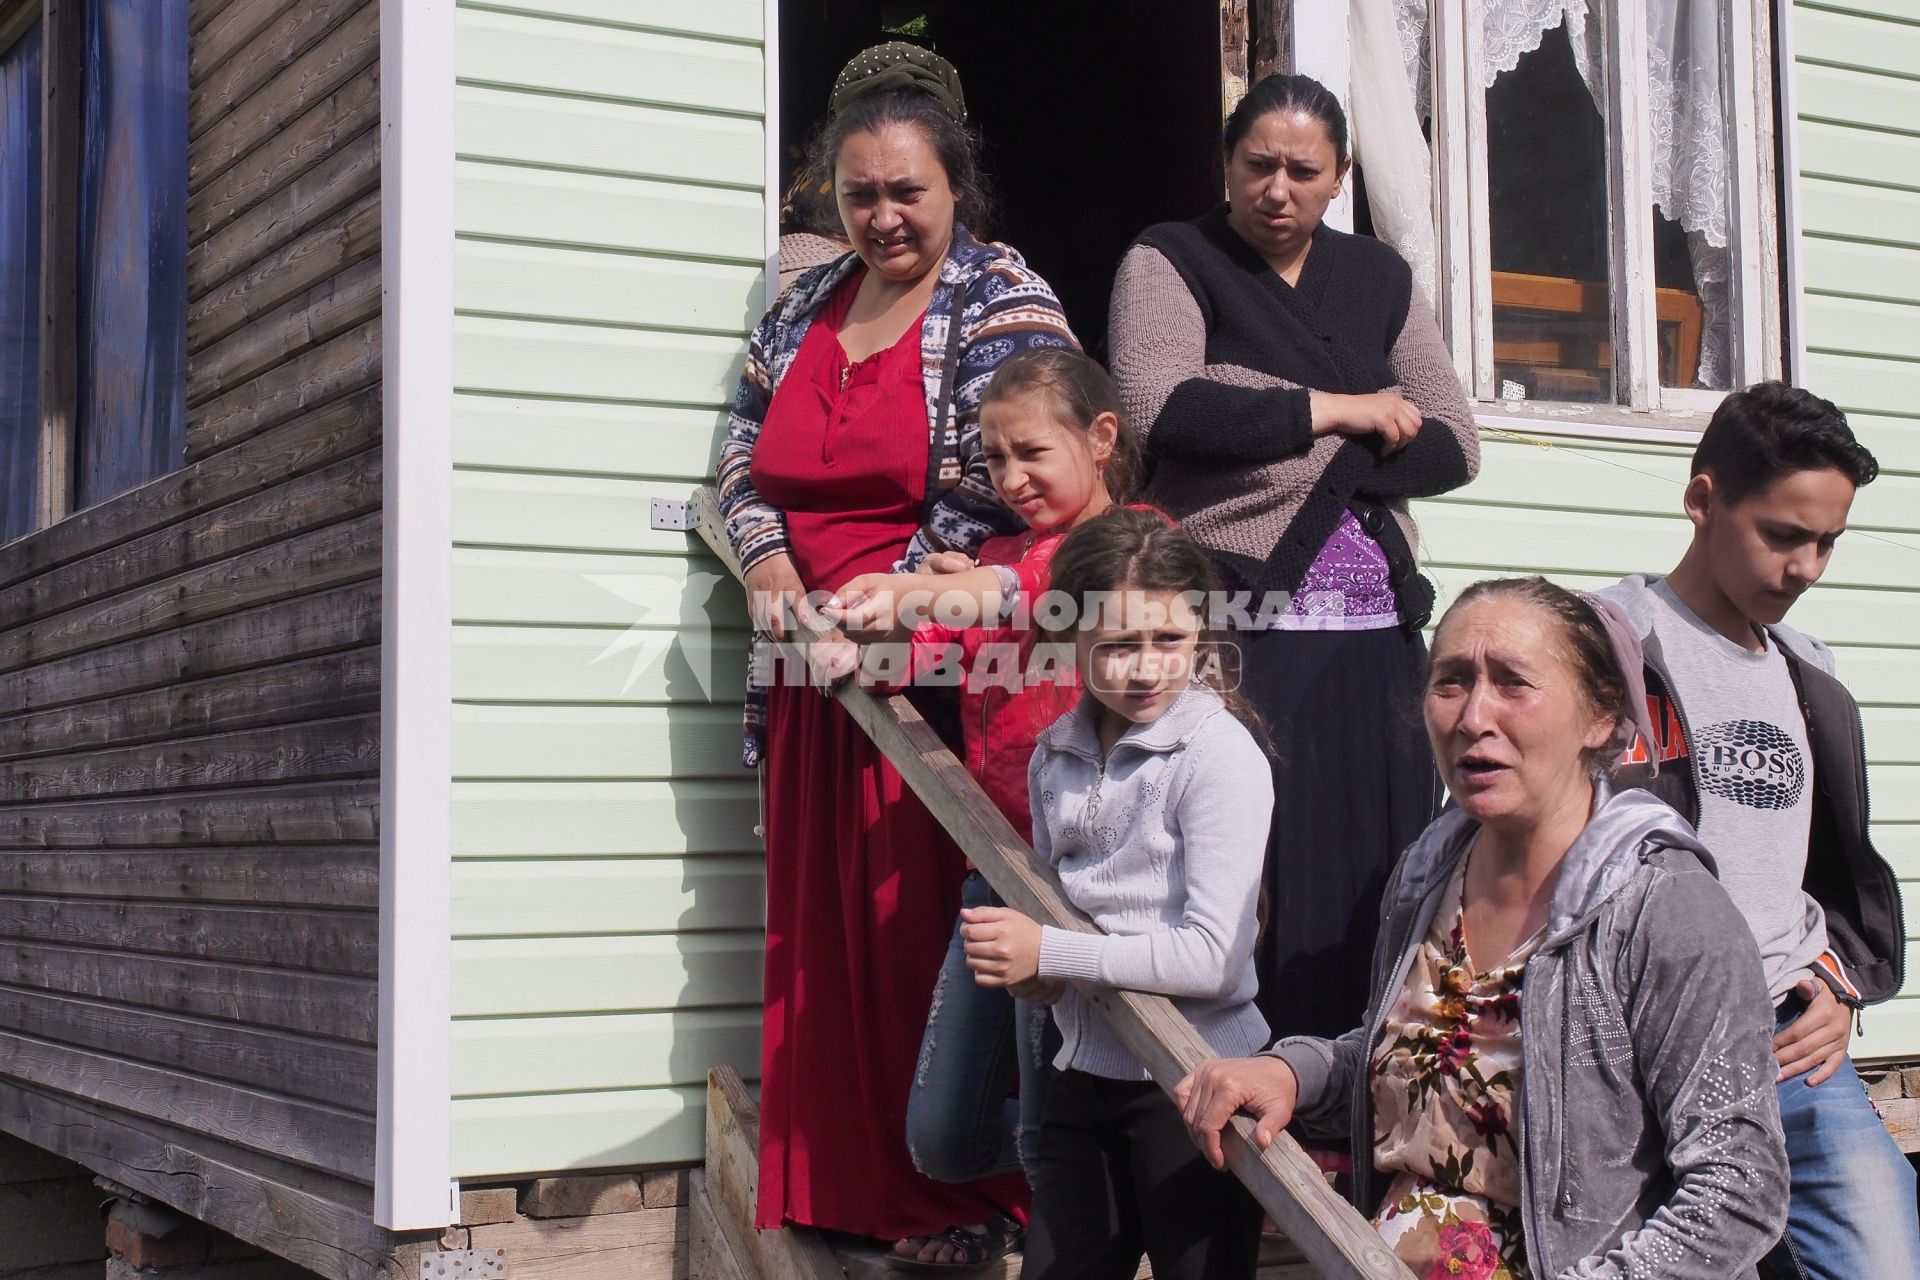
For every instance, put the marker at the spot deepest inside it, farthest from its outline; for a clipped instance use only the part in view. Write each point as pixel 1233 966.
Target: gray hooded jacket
pixel 1650 1128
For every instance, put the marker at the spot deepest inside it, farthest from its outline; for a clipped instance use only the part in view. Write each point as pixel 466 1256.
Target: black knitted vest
pixel 1330 332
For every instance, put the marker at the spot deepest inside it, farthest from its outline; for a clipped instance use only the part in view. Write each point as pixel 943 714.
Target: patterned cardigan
pixel 1002 307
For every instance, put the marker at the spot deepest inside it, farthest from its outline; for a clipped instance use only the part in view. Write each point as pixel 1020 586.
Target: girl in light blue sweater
pixel 1151 799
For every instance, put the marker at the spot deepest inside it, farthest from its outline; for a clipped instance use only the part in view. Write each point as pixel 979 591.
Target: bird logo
pixel 674 617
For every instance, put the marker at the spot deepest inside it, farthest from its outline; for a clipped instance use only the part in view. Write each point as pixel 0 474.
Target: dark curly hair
pixel 957 146
pixel 1772 430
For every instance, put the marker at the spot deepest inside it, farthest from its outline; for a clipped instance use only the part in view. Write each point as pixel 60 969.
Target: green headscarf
pixel 899 65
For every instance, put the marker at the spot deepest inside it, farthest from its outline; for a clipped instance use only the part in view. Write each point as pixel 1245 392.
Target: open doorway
pixel 1101 117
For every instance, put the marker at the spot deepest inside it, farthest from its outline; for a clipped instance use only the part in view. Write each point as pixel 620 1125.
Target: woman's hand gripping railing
pixel 1337 1240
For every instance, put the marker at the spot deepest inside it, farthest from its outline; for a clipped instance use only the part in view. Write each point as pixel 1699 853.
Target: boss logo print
pixel 1752 763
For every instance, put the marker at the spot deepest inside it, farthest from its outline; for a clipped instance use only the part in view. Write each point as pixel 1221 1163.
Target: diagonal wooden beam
pixel 1288 1185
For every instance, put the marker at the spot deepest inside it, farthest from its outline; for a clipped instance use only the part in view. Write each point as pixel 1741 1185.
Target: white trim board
pixel 1612 424
pixel 413 1152
pixel 1786 89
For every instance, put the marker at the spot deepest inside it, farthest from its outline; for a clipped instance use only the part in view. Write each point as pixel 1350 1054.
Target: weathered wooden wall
pixel 189 694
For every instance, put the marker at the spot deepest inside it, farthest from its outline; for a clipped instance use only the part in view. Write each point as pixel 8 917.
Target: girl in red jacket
pixel 1059 455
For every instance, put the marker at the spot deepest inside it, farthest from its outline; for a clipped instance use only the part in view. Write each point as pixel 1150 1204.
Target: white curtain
pixel 1387 140
pixel 1687 45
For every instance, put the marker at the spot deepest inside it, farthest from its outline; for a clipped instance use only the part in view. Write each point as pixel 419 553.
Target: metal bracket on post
pixel 671 515
pixel 464 1264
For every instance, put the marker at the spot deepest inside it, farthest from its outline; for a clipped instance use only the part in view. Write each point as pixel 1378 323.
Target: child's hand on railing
pixel 871 605
pixel 947 562
pixel 1003 946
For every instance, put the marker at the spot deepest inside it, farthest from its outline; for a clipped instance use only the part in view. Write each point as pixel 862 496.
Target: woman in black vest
pixel 1292 392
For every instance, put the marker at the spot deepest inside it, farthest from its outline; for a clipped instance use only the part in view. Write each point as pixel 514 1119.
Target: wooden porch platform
pixel 723 1244
pixel 1895 1091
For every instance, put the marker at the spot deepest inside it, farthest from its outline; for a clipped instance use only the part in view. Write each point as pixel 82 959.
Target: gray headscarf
pixel 1624 640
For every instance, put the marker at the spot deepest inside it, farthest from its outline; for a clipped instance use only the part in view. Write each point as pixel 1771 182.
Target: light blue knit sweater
pixel 1162 843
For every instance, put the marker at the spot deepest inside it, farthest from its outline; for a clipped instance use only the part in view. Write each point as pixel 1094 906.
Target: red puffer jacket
pixel 1001 711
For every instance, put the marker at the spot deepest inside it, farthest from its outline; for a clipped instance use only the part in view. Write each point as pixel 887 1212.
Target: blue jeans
pixel 1852 1214
pixel 961 1122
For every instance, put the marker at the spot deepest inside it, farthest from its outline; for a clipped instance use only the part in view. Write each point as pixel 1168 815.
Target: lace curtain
pixel 1687 43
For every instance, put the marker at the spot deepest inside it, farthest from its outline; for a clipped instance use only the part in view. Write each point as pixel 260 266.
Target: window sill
pixel 1592 421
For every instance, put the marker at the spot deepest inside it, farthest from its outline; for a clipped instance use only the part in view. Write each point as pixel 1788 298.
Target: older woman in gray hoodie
pixel 1566 1067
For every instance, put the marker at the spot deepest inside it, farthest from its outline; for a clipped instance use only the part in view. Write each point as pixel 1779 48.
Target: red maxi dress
pixel 862 883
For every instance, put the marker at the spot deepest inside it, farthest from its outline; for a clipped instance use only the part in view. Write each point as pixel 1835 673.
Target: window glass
pixel 20 99
pixel 1547 185
pixel 133 247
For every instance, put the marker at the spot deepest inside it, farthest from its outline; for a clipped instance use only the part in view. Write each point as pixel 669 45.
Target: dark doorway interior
pixel 1101 117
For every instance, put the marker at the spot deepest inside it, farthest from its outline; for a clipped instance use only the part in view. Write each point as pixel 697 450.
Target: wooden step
pixel 710 1255
pixel 732 1186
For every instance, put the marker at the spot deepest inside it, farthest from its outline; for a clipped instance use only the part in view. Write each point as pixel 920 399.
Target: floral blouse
pixel 1446 1083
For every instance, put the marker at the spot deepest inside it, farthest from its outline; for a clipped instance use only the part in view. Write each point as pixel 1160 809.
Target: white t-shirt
pixel 1753 771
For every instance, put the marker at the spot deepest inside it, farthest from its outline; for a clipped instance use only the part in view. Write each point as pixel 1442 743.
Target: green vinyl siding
pixel 1857 88
pixel 608 887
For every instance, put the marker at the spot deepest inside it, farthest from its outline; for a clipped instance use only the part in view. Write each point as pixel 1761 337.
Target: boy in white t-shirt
pixel 1761 748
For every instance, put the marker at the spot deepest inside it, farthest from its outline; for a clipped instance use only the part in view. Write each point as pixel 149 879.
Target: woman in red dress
pixel 854 447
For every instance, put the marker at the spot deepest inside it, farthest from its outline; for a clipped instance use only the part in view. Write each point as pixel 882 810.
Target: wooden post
pixel 1235 37
pixel 1288 1186
pixel 1272 37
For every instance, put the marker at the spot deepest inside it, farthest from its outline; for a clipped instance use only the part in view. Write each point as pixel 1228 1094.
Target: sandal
pixel 976 1248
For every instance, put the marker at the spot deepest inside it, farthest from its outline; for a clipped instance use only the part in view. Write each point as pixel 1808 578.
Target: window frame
pixel 1641 408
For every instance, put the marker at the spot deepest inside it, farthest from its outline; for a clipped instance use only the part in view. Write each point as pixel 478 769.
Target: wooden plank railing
pixel 1337 1240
